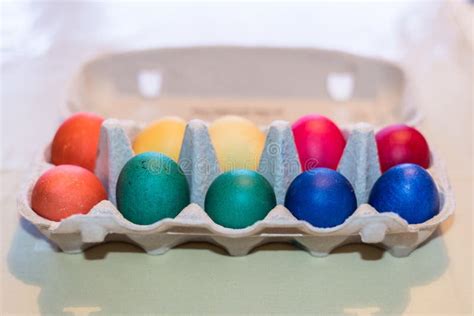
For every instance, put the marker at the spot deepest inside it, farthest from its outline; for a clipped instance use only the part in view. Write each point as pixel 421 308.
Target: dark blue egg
pixel 322 197
pixel 407 190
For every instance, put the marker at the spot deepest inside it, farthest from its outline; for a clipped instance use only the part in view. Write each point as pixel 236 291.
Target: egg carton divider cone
pixel 279 164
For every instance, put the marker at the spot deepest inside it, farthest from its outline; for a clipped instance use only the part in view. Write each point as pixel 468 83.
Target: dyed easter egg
pixel 150 187
pixel 397 144
pixel 319 142
pixel 164 136
pixel 66 190
pixel 322 197
pixel 238 143
pixel 239 198
pixel 76 141
pixel 407 190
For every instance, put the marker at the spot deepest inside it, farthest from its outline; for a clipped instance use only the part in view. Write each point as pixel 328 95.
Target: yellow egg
pixel 238 142
pixel 164 136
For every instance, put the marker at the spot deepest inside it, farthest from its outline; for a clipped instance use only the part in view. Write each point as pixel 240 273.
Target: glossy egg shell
pixel 320 143
pixel 164 136
pixel 397 144
pixel 322 197
pixel 408 190
pixel 66 190
pixel 76 141
pixel 239 198
pixel 151 187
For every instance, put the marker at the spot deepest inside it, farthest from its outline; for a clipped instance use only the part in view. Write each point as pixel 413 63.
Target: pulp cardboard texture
pixel 279 164
pixel 262 84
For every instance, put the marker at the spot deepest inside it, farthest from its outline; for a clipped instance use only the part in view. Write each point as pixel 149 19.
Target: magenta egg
pixel 319 142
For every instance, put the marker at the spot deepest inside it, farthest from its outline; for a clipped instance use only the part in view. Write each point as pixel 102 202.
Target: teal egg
pixel 150 187
pixel 239 198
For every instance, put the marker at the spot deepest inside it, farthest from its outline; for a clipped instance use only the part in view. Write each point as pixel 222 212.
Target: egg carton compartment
pixel 260 83
pixel 279 164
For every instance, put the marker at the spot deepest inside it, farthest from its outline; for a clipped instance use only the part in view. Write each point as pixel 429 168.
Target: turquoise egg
pixel 150 187
pixel 239 198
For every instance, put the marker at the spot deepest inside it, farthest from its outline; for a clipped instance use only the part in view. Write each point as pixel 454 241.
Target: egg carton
pixel 279 164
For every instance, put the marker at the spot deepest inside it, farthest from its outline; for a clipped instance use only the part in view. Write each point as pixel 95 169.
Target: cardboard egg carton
pixel 279 164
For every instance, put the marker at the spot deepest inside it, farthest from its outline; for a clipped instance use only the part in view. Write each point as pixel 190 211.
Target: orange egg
pixel 76 141
pixel 66 190
pixel 163 136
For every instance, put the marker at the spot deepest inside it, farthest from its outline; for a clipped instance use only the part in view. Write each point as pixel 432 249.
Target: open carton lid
pixel 262 84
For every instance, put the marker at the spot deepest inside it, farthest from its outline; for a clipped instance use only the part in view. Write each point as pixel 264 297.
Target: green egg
pixel 239 198
pixel 150 187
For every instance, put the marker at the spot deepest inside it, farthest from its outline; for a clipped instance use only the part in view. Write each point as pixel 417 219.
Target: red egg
pixel 319 142
pixel 397 144
pixel 66 190
pixel 76 141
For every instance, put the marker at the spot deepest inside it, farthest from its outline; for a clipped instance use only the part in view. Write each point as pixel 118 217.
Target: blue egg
pixel 407 190
pixel 322 197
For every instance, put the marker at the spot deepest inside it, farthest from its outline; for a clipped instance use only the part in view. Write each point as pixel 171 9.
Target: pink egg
pixel 319 142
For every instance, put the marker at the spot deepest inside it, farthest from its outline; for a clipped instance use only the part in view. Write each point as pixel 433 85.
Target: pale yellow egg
pixel 164 136
pixel 238 143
